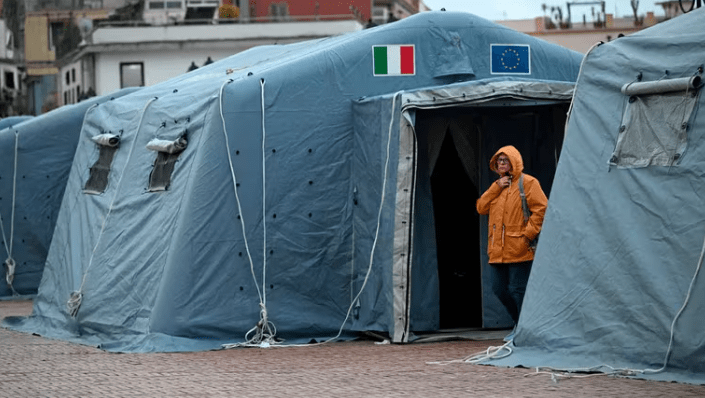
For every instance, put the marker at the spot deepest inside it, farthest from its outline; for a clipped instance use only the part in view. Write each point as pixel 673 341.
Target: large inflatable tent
pixel 36 154
pixel 617 284
pixel 323 188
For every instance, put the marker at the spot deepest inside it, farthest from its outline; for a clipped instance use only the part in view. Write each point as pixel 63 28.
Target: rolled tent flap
pixel 167 146
pixel 662 86
pixel 106 139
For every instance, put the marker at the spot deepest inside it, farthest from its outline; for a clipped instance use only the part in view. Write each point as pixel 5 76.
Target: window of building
pixel 73 75
pixel 131 74
pixel 98 180
pixel 165 5
pixel 279 11
pixel 655 122
pixel 9 79
pixel 167 154
pixel 68 78
pixel 56 31
pixel 201 9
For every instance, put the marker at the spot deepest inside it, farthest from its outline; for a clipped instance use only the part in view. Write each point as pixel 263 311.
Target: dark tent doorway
pixel 460 141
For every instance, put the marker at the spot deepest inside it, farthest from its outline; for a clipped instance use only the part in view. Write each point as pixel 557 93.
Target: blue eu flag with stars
pixel 510 58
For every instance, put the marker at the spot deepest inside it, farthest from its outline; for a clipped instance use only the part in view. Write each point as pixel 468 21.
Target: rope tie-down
pixel 262 335
pixel 264 332
pixel 10 273
pixel 10 264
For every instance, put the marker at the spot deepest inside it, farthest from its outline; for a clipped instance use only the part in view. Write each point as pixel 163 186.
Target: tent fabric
pixel 275 210
pixel 13 120
pixel 617 281
pixel 45 149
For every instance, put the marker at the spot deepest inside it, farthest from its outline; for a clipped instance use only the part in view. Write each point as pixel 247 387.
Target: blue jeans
pixel 509 285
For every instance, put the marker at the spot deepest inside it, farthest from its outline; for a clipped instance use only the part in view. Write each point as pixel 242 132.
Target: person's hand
pixel 504 181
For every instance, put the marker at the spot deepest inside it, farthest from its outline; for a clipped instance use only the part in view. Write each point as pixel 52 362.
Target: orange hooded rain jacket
pixel 509 236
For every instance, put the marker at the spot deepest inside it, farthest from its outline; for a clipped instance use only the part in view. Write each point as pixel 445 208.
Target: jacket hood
pixel 514 158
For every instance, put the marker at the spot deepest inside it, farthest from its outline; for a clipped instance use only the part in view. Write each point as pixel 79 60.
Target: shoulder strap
pixel 524 205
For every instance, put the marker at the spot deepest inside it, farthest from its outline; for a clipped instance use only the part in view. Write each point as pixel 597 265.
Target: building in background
pixel 117 56
pixel 581 24
pixel 581 36
pixel 12 91
pixel 50 35
pixel 385 11
pixel 68 50
pixel 674 8
pixel 81 48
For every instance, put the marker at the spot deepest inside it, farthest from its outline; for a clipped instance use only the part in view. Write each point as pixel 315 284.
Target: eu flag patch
pixel 510 58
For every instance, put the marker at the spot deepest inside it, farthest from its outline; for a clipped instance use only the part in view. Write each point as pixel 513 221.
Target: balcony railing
pixel 217 21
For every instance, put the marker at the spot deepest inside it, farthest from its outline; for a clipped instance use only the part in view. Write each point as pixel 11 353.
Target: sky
pixel 527 9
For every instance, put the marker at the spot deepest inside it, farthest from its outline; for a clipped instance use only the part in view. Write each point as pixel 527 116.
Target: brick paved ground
pixel 32 366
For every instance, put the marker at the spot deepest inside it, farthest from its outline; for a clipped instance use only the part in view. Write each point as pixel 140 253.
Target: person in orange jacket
pixel 510 234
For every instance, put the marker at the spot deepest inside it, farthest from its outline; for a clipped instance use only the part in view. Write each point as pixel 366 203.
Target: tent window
pixel 98 179
pixel 654 128
pixel 167 154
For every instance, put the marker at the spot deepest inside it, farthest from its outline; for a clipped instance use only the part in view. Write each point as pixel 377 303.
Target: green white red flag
pixel 394 60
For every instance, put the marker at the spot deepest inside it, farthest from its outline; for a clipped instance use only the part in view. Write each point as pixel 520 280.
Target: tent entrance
pixel 458 142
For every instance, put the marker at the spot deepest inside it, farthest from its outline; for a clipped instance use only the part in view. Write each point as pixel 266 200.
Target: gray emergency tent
pixel 36 154
pixel 292 184
pixel 617 280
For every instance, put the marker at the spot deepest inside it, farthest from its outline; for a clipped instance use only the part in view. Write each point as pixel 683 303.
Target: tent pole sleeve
pixel 661 86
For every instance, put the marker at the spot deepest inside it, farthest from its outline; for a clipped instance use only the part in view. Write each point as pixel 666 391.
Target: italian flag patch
pixel 394 60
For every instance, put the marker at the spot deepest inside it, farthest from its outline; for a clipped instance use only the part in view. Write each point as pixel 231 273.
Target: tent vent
pixel 98 180
pixel 167 154
pixel 654 127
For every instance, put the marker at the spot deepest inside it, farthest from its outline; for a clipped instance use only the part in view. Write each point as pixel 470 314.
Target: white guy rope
pixel 492 352
pixel 680 311
pixel 10 262
pixel 264 331
pixel 634 372
pixel 237 197
pixel 372 251
pixel 76 297
pixel 264 205
pixel 379 221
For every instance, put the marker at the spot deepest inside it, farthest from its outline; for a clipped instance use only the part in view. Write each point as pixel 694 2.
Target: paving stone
pixel 32 366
